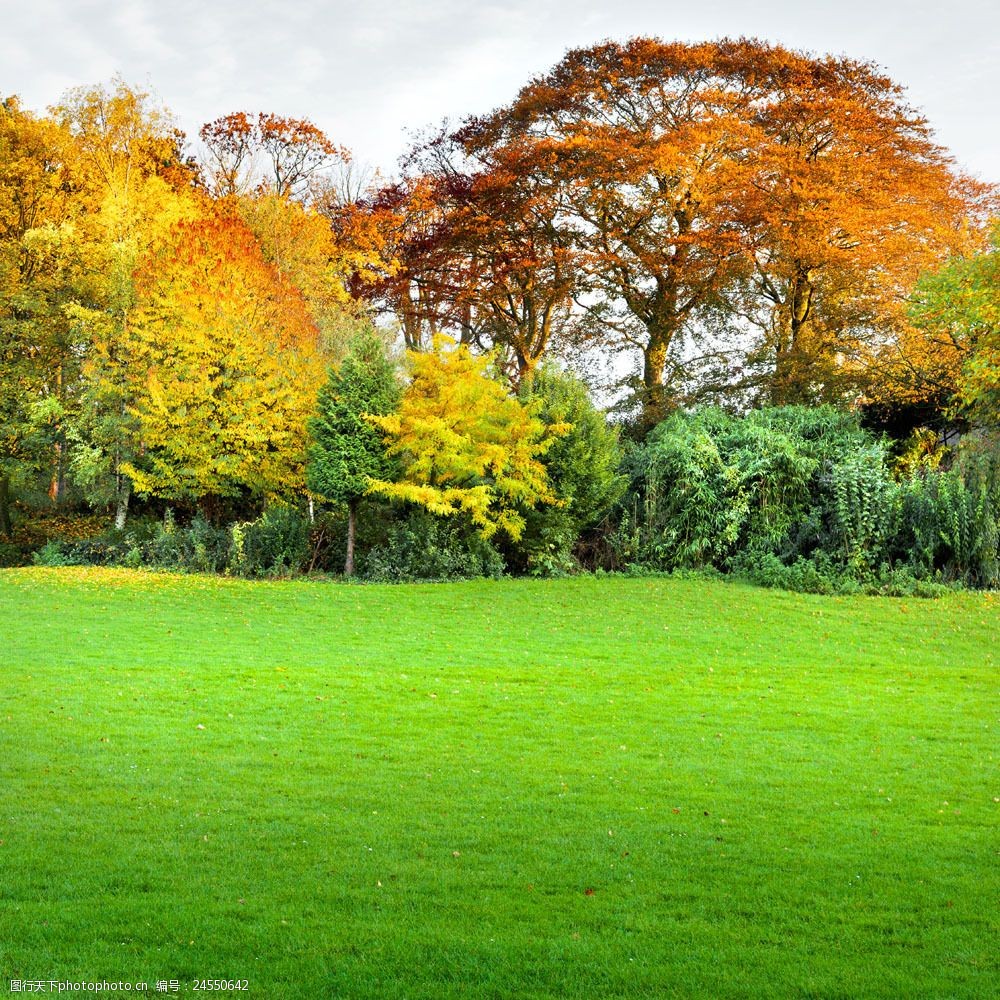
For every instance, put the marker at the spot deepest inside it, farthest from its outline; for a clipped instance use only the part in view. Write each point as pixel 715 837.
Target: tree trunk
pixel 352 521
pixel 121 508
pixel 655 403
pixel 6 528
pixel 792 359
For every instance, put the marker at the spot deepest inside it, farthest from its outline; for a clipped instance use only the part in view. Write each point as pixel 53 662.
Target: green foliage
pixel 687 504
pixel 960 305
pixel 804 498
pixel 949 523
pixel 347 452
pixel 199 548
pixel 583 470
pixel 55 553
pixel 425 546
pixel 821 574
pixel 860 499
pixel 276 544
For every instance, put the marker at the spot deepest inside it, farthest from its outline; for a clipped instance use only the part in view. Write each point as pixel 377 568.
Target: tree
pixel 306 250
pixel 582 466
pixel 131 186
pixel 42 268
pixel 798 193
pixel 266 152
pixel 493 268
pixel 222 367
pixel 957 308
pixel 647 143
pixel 467 446
pixel 348 454
pixel 849 200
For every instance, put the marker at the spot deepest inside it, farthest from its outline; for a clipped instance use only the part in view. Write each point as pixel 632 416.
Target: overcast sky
pixel 366 73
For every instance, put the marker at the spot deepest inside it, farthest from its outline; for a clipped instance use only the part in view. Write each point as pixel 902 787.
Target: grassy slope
pixel 581 788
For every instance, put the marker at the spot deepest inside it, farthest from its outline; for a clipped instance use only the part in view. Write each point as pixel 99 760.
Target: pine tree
pixel 348 453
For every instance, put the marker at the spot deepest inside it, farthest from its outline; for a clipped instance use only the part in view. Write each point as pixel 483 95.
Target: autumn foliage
pixel 731 222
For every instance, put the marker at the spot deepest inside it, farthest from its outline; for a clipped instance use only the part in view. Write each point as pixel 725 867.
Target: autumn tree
pixel 319 258
pixel 958 308
pixel 504 272
pixel 223 368
pixel 647 142
pixel 267 153
pixel 848 201
pixel 467 446
pixel 347 453
pixel 132 185
pixel 735 177
pixel 415 285
pixel 42 268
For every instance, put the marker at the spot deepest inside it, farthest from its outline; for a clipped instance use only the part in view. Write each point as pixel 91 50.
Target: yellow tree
pixel 38 268
pixel 467 446
pixel 224 368
pixel 131 186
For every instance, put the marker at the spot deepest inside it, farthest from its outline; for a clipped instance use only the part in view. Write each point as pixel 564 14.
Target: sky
pixel 372 74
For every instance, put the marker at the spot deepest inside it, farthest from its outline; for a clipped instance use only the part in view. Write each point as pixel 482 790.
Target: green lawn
pixel 584 788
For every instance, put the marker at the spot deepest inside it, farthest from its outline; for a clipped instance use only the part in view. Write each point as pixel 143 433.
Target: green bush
pixel 13 555
pixel 199 548
pixel 805 499
pixel 686 505
pixel 54 553
pixel 276 544
pixel 949 524
pixel 583 470
pixel 423 546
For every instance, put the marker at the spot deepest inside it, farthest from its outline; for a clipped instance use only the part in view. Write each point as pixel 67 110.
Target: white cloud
pixel 368 72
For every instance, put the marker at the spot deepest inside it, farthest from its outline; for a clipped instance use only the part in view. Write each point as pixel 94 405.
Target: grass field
pixel 584 788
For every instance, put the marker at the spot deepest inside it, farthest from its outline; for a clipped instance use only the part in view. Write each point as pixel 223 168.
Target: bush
pixel 805 499
pixel 948 524
pixel 820 574
pixel 427 547
pixel 686 506
pixel 13 555
pixel 54 553
pixel 199 548
pixel 583 471
pixel 276 544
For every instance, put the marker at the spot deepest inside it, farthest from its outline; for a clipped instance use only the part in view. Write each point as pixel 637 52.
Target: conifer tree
pixel 348 453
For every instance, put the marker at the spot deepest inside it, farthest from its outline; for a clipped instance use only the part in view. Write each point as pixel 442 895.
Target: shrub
pixel 583 471
pixel 686 506
pixel 424 546
pixel 199 548
pixel 54 553
pixel 276 544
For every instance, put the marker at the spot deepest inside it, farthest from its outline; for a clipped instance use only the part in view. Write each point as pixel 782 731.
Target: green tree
pixel 959 307
pixel 348 453
pixel 582 466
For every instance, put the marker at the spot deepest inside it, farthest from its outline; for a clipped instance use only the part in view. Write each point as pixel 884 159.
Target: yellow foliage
pixel 467 445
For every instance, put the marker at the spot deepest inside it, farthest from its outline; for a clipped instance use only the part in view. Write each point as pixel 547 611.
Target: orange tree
pixel 223 368
pixel 798 193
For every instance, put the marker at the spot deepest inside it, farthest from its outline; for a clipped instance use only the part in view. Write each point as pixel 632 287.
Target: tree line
pixel 727 224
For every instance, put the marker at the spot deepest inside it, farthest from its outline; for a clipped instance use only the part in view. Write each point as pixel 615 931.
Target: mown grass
pixel 591 787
